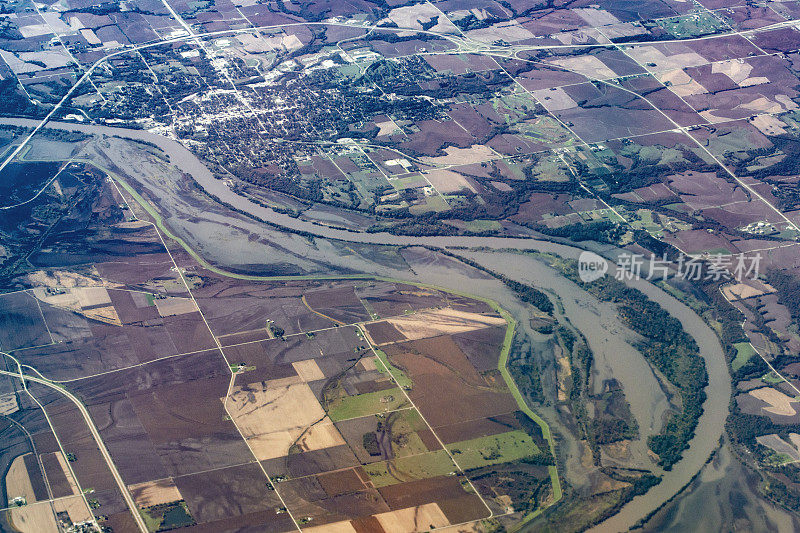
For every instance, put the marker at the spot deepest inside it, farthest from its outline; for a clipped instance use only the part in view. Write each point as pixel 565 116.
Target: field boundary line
pixel 502 361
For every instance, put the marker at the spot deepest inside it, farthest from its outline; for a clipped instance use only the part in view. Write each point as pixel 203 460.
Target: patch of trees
pixel 530 295
pixel 608 430
pixel 476 84
pixel 532 429
pixel 471 22
pixel 744 428
pixel 602 231
pixel 526 293
pixel 788 166
pixel 64 135
pixel 779 492
pixel 9 30
pixel 527 377
pixel 279 181
pixel 788 287
pixel 788 196
pixel 395 37
pixel 639 485
pixel 15 102
pixel 643 174
pixel 370 442
pixel 613 420
pixel 417 227
pixel 431 23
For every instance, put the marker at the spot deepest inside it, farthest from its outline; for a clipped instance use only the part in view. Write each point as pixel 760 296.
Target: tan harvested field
pixel 63 278
pixel 769 125
pixel 336 527
pixel 308 370
pixel 18 483
pixel 368 364
pixel 386 128
pixel 8 403
pixel 447 181
pixel 446 321
pixel 76 298
pixel 765 105
pixel 795 438
pixel 66 299
pixel 272 417
pixel 79 299
pixel 509 31
pixel 651 54
pixel 257 408
pixel 589 66
pixel 75 507
pixel 681 83
pixel 780 404
pixel 175 306
pixel 91 296
pixel 477 153
pixel 740 291
pixel 154 492
pixel 738 71
pixel 271 445
pixel 321 435
pixel 107 314
pixel 420 518
pixel 414 15
pixel 555 99
pixel 36 518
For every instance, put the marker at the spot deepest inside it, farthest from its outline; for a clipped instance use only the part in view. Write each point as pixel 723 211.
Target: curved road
pixel 97 438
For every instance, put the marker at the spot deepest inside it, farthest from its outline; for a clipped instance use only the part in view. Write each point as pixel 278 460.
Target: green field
pixel 430 203
pixel 409 182
pixel 402 379
pixel 744 351
pixel 478 226
pixel 370 403
pixel 167 516
pixel 692 25
pixel 401 469
pixel 492 450
pixel 778 459
pixel 404 426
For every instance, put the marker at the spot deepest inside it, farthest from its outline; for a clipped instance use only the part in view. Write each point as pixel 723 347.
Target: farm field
pixel 224 401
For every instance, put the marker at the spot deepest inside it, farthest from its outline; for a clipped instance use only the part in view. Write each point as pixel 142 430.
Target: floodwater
pixel 609 340
pixel 615 356
pixel 725 492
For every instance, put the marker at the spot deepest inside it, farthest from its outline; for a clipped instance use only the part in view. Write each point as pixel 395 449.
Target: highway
pixel 95 435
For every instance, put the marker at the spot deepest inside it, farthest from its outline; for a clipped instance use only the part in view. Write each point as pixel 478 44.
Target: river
pixel 525 269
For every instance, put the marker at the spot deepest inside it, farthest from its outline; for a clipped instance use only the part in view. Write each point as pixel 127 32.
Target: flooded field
pixel 725 492
pixel 235 242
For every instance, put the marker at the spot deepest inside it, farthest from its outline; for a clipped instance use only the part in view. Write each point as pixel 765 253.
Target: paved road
pixel 98 440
